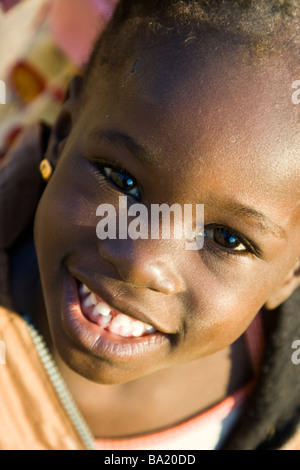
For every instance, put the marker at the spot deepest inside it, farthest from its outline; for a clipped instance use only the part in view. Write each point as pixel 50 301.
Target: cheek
pixel 224 301
pixel 220 325
pixel 66 216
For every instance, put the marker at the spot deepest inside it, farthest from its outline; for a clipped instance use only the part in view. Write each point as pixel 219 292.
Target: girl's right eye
pixel 226 239
pixel 123 181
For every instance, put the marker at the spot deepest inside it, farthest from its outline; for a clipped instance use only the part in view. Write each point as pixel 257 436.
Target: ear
pixel 285 289
pixel 64 121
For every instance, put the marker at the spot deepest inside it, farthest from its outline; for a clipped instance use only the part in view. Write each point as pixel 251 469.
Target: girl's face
pixel 192 127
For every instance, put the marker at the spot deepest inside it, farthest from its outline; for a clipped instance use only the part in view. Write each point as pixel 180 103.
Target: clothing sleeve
pixel 32 414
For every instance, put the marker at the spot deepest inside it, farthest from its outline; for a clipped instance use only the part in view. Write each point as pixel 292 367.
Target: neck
pixel 149 403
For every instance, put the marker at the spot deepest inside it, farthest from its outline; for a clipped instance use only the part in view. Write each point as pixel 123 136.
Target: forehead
pixel 207 103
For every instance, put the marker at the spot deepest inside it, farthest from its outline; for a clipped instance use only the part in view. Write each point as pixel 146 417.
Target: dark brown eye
pixel 225 238
pixel 123 181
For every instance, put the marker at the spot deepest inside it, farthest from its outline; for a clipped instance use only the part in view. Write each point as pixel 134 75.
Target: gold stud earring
pixel 46 169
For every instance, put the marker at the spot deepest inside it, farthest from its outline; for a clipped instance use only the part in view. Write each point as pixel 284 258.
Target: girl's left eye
pixel 123 181
pixel 225 238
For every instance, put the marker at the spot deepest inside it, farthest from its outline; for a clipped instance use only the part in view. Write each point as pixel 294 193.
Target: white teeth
pixel 121 320
pixel 105 320
pixel 84 289
pixel 120 324
pixel 90 301
pixel 102 309
pixel 149 327
pixel 126 326
pixel 138 328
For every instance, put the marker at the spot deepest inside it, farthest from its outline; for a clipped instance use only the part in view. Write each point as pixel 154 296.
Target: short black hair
pixel 266 26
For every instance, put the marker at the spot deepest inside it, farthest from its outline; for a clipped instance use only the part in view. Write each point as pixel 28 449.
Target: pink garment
pixel 75 24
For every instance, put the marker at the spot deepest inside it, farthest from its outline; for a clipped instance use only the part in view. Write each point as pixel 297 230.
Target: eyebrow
pixel 122 140
pixel 267 225
pixel 142 153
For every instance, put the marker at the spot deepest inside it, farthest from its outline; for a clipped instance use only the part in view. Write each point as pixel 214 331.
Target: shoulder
pixel 271 419
pixel 26 384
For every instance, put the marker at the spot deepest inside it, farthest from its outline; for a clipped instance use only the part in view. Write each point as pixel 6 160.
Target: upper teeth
pixel 90 300
pixel 84 289
pixel 102 309
pixel 120 324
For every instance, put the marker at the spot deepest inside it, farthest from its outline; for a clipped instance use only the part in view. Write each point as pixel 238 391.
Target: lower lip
pixel 101 343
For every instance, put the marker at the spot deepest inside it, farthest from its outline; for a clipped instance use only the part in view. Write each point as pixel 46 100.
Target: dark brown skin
pixel 223 132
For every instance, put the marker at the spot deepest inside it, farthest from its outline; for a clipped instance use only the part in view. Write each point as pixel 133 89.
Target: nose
pixel 143 263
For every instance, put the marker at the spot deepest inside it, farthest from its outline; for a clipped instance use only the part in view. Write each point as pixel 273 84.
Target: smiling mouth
pixel 99 312
pixel 106 333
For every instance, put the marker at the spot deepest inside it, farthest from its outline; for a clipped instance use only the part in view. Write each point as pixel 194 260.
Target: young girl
pixel 183 102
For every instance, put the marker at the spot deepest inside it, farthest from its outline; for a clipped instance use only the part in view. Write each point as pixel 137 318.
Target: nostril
pixel 165 290
pixel 142 268
pixel 165 286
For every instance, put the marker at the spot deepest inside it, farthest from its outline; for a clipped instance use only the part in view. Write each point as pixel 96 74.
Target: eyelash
pixel 102 169
pixel 211 245
pixel 215 248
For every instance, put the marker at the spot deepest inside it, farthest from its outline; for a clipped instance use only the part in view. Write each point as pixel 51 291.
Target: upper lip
pixel 109 297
